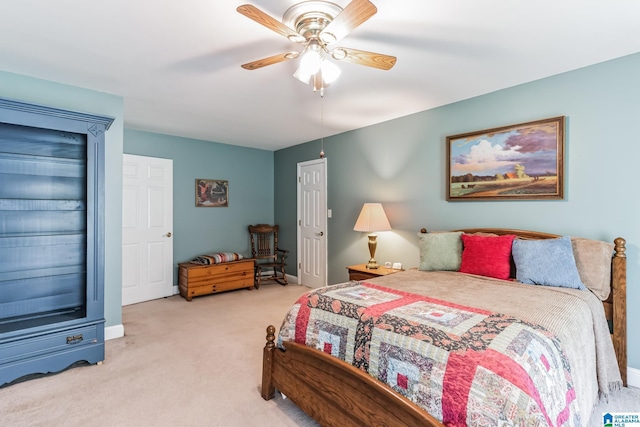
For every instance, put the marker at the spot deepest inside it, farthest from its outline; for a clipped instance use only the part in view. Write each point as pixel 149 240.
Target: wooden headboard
pixel 615 307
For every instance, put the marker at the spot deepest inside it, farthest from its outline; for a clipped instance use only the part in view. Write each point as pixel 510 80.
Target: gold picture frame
pixel 516 162
pixel 212 193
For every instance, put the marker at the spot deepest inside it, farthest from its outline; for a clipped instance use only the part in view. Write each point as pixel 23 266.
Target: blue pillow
pixel 548 262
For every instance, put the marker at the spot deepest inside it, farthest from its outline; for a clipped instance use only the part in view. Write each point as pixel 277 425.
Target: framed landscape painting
pixel 517 162
pixel 212 193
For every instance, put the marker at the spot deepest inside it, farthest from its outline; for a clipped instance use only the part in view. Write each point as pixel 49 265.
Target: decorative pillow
pixel 216 258
pixel 548 262
pixel 593 260
pixel 487 256
pixel 440 251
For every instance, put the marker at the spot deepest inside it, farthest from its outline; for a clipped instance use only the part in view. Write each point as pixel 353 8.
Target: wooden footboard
pixel 333 392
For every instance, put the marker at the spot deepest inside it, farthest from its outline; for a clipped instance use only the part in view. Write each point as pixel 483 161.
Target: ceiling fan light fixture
pixel 330 72
pixel 302 76
pixel 310 62
pixel 327 72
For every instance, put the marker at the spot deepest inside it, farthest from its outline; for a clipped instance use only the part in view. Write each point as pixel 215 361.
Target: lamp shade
pixel 372 218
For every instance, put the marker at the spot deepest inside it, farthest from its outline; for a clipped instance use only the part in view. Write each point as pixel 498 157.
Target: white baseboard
pixel 112 332
pixel 633 377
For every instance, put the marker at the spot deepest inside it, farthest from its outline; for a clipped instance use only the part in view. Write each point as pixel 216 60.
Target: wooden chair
pixel 264 249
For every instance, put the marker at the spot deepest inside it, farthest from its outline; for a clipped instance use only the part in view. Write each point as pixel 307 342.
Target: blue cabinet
pixel 51 239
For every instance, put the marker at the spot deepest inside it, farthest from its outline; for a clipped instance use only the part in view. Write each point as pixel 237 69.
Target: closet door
pixel 43 226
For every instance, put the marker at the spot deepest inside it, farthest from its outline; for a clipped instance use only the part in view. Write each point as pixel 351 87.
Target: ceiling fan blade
pixel 273 24
pixel 362 57
pixel 354 14
pixel 269 61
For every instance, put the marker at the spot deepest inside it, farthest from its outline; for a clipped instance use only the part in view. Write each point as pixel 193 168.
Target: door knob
pixel 168 234
pixel 320 234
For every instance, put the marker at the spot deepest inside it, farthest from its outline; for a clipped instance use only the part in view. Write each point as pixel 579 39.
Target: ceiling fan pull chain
pixel 322 123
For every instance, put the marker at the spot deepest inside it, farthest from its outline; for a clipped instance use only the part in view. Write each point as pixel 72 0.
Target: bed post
pixel 619 289
pixel 268 390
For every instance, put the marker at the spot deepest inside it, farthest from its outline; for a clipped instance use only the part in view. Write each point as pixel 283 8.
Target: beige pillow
pixel 440 251
pixel 593 259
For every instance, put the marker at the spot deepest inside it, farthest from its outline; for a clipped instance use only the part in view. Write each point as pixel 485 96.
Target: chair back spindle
pixel 269 257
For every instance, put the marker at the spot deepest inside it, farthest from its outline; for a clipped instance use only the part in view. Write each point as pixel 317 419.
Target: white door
pixel 147 227
pixel 312 223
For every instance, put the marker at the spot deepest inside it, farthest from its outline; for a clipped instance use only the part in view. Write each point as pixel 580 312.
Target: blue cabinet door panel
pixel 16 223
pixel 38 252
pixel 37 141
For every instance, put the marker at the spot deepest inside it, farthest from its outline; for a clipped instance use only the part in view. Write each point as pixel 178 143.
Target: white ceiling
pixel 177 63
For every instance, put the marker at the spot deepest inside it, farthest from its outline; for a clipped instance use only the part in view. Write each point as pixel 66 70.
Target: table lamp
pixel 371 219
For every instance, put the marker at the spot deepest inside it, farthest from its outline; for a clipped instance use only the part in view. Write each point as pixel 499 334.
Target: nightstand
pixel 361 272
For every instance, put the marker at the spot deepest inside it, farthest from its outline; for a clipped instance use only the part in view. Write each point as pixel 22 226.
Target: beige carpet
pixel 180 363
pixel 183 364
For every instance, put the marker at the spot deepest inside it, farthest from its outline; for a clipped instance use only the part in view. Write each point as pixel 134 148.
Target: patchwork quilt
pixel 463 365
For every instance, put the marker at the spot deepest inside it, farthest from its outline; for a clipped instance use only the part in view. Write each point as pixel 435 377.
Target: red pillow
pixel 487 255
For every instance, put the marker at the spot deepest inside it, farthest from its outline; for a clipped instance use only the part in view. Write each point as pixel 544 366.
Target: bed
pixel 555 349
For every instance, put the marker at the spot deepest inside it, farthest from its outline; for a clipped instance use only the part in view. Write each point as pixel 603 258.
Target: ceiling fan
pixel 316 25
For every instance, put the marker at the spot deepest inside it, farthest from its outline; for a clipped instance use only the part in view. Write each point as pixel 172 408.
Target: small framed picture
pixel 212 193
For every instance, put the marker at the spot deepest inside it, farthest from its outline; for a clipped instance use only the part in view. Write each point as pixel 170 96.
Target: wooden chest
pixel 196 280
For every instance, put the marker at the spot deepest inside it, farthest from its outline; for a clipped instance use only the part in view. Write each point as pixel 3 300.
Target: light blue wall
pixel 26 89
pixel 198 231
pixel 402 163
